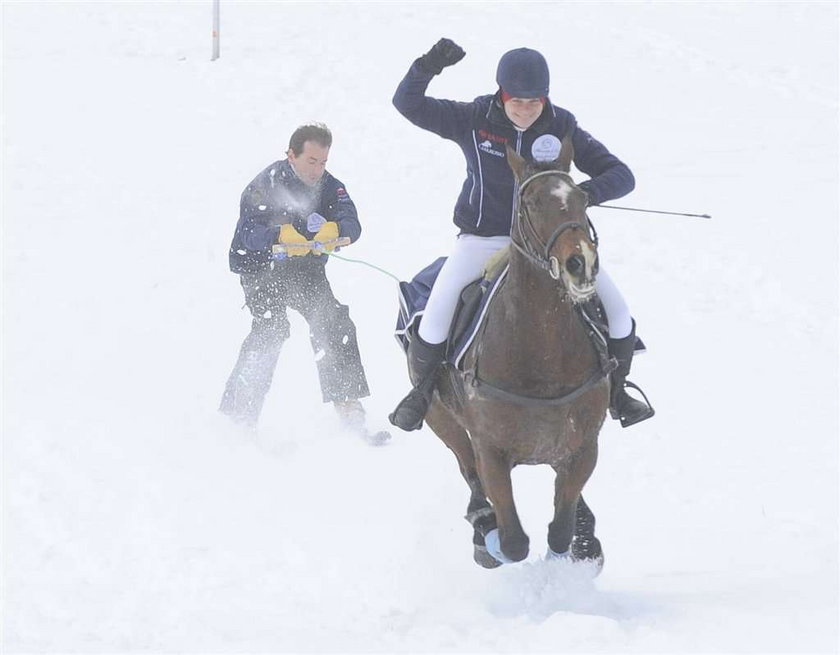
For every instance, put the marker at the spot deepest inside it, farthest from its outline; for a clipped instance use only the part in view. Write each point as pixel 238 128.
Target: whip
pixel 651 211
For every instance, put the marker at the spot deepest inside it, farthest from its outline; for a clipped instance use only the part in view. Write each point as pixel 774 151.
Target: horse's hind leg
pixel 585 545
pixel 567 487
pixel 479 513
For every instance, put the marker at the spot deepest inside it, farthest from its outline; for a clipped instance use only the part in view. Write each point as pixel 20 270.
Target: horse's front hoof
pixel 485 559
pixel 514 553
pixel 553 556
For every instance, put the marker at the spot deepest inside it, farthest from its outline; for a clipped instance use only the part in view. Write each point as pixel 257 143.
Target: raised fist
pixel 443 53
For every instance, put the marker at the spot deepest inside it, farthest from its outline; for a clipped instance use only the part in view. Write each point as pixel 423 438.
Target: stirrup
pixel 626 421
pixel 414 396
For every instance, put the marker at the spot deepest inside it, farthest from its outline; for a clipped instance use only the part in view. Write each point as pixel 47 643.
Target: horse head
pixel 551 228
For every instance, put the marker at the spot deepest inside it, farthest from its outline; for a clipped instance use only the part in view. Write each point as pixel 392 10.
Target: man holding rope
pixel 292 215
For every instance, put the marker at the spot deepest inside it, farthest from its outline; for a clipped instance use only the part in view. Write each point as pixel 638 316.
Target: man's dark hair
pixel 317 132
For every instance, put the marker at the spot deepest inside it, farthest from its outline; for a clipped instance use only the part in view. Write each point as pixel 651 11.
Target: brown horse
pixel 535 386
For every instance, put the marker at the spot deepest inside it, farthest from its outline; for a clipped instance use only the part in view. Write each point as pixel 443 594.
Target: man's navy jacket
pixel 485 205
pixel 278 196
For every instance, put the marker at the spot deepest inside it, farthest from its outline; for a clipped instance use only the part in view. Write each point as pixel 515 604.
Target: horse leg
pixel 569 481
pixel 494 470
pixel 479 513
pixel 585 545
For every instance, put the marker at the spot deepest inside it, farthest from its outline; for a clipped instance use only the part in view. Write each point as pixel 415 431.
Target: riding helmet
pixel 523 73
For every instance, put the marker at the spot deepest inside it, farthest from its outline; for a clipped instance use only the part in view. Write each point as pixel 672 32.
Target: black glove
pixel 590 199
pixel 443 53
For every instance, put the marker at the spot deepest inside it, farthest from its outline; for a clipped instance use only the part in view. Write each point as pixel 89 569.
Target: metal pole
pixel 215 54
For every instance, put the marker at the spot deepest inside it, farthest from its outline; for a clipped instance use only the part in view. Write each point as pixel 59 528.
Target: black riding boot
pixel 423 362
pixel 622 406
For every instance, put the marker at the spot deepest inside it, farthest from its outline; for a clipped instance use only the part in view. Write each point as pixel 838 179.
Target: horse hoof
pixel 494 546
pixel 588 550
pixel 550 555
pixel 485 559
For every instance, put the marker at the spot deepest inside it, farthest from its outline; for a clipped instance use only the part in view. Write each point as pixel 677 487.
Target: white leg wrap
pixel 618 313
pixel 494 546
pixel 464 264
pixel 550 555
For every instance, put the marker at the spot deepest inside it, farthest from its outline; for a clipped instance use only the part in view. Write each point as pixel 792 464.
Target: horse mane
pixel 497 260
pixel 539 166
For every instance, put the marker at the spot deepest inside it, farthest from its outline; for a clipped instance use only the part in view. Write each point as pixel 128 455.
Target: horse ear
pixel 516 163
pixel 567 154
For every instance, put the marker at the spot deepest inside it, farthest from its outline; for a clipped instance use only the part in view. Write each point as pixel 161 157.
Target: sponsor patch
pixel 489 136
pixel 546 148
pixel 488 147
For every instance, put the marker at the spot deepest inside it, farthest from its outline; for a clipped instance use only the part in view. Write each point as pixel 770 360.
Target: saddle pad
pixel 471 311
pixel 413 297
pixel 469 315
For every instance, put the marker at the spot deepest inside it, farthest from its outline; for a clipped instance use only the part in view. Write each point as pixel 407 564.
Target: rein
pixel 548 262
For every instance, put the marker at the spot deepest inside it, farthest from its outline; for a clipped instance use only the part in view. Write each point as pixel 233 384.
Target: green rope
pixel 359 261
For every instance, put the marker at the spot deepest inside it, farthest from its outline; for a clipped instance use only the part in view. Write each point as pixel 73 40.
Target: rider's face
pixel 310 164
pixel 523 112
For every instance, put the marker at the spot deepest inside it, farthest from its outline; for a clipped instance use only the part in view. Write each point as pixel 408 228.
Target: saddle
pixel 472 308
pixel 469 314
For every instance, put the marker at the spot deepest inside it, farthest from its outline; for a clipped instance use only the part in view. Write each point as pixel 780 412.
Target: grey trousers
pixel 299 283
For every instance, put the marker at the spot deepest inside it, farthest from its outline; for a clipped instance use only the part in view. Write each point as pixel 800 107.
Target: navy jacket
pixel 277 196
pixel 485 205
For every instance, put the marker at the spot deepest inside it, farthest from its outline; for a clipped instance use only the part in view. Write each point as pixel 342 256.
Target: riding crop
pixel 651 211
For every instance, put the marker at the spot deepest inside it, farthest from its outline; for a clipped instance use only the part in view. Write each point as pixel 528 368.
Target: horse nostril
pixel 576 265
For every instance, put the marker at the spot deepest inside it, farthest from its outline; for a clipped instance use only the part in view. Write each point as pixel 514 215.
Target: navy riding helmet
pixel 523 73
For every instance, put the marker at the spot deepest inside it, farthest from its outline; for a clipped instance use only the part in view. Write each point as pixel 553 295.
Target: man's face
pixel 310 163
pixel 523 112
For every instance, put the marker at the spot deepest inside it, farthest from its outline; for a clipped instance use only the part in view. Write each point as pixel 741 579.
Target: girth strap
pixel 492 391
pixel 606 365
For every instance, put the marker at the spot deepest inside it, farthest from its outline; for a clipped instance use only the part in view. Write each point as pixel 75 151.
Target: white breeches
pixel 618 313
pixel 466 263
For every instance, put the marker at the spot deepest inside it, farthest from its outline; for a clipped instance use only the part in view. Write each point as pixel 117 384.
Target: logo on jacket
pixel 546 148
pixel 487 146
pixel 489 136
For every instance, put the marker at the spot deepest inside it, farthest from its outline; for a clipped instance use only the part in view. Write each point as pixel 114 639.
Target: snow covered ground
pixel 136 520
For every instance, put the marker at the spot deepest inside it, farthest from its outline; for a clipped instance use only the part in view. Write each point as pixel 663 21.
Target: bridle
pixel 544 260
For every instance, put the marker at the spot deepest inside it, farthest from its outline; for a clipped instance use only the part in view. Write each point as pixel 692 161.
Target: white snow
pixel 135 519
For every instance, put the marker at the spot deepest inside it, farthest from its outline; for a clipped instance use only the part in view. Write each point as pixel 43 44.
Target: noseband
pixel 544 259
